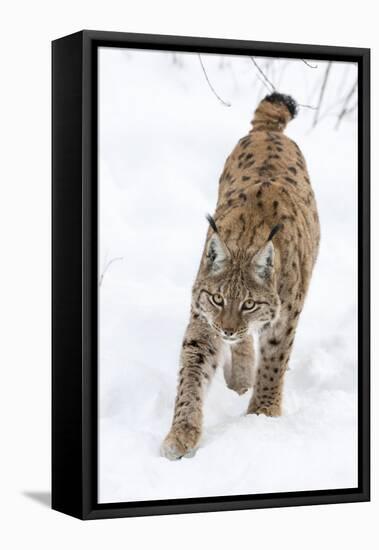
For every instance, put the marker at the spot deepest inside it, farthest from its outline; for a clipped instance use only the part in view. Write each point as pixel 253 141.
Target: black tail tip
pixel 286 100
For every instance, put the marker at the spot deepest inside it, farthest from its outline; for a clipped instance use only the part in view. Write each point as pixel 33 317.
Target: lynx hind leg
pixel 239 374
pixel 275 349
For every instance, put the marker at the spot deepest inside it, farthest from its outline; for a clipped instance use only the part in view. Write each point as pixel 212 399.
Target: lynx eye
pixel 218 299
pixel 248 305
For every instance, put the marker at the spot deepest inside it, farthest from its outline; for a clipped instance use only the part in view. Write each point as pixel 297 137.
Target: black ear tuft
pixel 274 231
pixel 212 223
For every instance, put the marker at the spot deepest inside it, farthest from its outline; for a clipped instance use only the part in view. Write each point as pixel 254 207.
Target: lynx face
pixel 237 294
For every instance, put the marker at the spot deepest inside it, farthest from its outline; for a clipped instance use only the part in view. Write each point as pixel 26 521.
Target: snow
pixel 164 137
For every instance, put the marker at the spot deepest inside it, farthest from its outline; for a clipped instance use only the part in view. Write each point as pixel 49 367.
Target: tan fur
pixel 264 184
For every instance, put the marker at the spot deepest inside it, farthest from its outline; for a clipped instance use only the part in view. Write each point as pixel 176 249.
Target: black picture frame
pixel 74 272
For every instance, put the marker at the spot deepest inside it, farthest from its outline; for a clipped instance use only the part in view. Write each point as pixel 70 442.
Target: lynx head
pixel 237 291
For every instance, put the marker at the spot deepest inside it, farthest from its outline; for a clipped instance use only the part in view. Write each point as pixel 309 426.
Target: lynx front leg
pixel 199 359
pixel 275 349
pixel 239 374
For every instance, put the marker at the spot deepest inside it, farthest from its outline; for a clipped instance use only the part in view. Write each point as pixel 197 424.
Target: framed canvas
pixel 210 274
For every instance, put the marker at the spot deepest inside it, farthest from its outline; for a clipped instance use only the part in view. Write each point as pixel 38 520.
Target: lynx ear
pixel 263 263
pixel 216 254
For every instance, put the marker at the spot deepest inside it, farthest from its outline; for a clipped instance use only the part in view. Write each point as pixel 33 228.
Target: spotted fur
pixel 260 250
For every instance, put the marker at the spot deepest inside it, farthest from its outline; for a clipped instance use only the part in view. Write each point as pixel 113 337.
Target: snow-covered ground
pixel 164 138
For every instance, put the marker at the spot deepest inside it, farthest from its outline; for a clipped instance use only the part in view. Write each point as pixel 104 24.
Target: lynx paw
pixel 239 387
pixel 267 410
pixel 180 442
pixel 239 382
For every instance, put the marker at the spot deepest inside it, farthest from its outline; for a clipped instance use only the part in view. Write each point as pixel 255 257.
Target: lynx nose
pixel 228 332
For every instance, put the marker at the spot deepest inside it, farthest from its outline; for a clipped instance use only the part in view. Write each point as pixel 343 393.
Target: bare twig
pixel 309 65
pixel 282 68
pixel 266 80
pixel 269 69
pixel 345 107
pixel 226 103
pixel 307 106
pixel 224 62
pixel 322 91
pixel 261 88
pixel 107 266
pixel 352 108
pixel 342 83
pixel 176 59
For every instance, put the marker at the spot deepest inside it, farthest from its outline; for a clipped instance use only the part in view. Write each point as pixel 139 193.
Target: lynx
pixel 260 250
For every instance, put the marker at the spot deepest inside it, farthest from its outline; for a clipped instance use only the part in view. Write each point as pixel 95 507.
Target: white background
pixel 25 275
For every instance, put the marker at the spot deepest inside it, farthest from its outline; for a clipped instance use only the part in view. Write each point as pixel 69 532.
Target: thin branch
pixel 262 87
pixel 345 106
pixel 343 79
pixel 322 92
pixel 226 103
pixel 282 68
pixel 309 65
pixel 331 110
pixel 269 69
pixel 352 108
pixel 307 106
pixel 266 80
pixel 223 63
pixel 107 266
pixel 176 59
